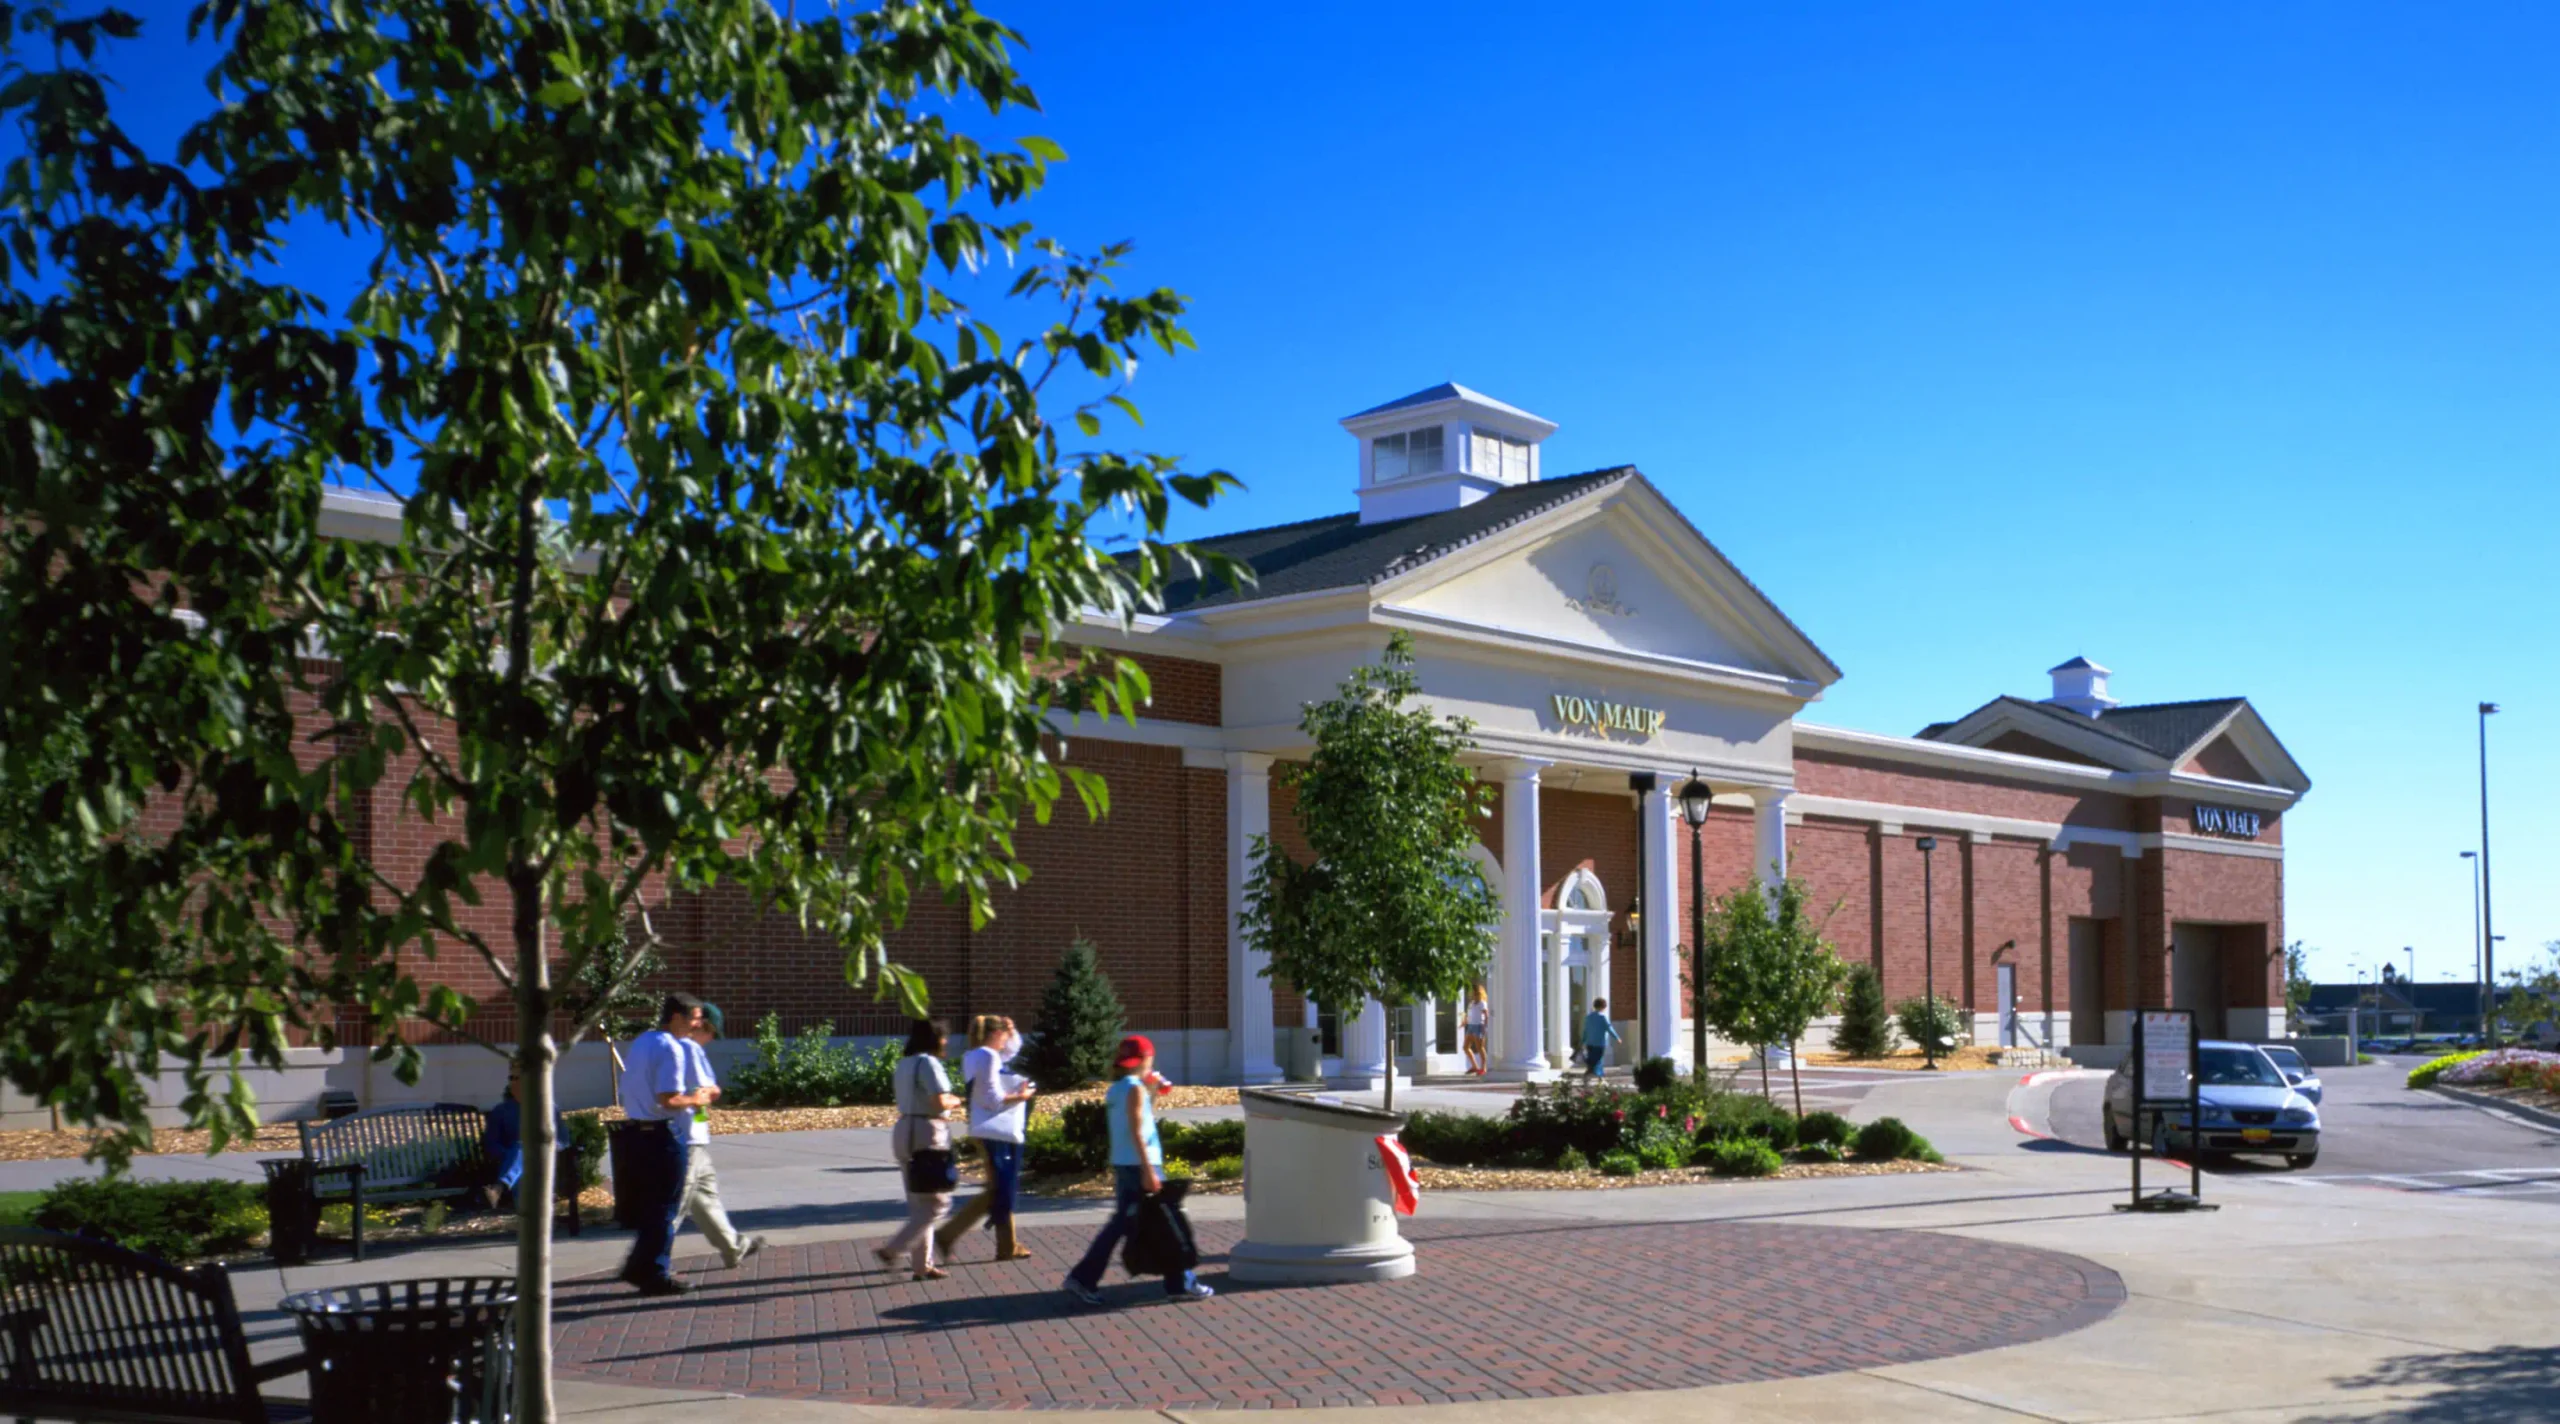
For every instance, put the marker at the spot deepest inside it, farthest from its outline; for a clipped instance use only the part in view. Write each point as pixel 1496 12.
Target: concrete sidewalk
pixel 2287 1304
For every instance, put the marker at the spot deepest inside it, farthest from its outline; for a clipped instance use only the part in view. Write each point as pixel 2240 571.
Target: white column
pixel 1519 1039
pixel 1249 1037
pixel 1601 957
pixel 1769 853
pixel 1364 1045
pixel 1560 1024
pixel 1662 920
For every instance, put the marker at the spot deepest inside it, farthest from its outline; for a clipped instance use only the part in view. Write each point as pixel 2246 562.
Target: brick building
pixel 2084 856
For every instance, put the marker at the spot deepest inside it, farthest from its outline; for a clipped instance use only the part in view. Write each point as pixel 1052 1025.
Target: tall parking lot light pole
pixel 2488 937
pixel 2471 873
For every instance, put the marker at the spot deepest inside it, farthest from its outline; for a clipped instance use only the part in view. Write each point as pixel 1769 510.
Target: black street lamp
pixel 2488 940
pixel 1929 947
pixel 1696 799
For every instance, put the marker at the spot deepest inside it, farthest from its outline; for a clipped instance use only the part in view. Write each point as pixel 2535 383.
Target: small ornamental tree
pixel 1772 973
pixel 1079 1024
pixel 1392 907
pixel 734 546
pixel 1866 1025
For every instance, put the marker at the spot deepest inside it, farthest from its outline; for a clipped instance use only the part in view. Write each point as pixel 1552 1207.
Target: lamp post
pixel 2471 873
pixel 1929 947
pixel 2488 940
pixel 1696 800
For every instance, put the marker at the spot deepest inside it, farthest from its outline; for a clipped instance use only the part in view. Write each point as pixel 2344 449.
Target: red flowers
pixel 1689 1124
pixel 1662 1111
pixel 1618 1115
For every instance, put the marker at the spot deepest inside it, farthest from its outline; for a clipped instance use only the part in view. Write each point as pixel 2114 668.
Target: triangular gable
pixel 2019 722
pixel 2221 757
pixel 2246 747
pixel 1618 571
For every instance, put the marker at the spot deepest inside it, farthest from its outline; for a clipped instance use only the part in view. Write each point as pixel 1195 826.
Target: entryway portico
pixel 1594 641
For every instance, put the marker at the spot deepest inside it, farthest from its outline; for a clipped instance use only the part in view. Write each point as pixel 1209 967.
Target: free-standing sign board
pixel 2165 1091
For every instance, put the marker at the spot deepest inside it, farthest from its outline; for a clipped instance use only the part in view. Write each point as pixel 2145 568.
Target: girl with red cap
pixel 1137 1171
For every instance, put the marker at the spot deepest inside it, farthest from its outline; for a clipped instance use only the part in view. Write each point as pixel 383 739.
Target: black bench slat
pixel 89 1330
pixel 402 1153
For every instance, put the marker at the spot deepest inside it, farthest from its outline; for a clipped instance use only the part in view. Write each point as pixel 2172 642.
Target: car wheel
pixel 2300 1161
pixel 2116 1140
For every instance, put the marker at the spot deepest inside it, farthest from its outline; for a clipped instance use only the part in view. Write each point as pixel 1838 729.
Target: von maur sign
pixel 2226 821
pixel 1606 717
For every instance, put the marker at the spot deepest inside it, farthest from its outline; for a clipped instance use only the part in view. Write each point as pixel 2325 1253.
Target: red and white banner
pixel 1402 1185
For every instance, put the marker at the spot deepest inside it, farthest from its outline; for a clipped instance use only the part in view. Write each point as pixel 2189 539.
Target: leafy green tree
pixel 736 547
pixel 1392 907
pixel 1866 1028
pixel 1770 972
pixel 1078 1031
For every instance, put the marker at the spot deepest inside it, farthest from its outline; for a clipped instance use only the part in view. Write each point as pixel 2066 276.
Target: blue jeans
pixel 1004 1177
pixel 653 1249
pixel 1127 1192
pixel 1593 1055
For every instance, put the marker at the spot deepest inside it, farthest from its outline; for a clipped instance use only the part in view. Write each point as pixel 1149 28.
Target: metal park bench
pixel 408 1152
pixel 92 1331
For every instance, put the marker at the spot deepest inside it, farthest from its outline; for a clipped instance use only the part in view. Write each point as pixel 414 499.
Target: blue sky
pixel 2216 343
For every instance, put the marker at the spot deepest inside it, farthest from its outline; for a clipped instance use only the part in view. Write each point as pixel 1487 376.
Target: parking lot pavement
pixel 2377 1133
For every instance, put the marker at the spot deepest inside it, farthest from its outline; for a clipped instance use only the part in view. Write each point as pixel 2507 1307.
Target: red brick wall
pixel 1595 831
pixel 1822 774
pixel 1182 690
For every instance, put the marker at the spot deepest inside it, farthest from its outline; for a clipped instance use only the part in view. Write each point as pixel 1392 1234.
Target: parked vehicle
pixel 2289 1061
pixel 2243 1101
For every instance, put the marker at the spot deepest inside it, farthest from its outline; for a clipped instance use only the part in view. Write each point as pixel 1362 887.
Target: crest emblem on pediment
pixel 1600 594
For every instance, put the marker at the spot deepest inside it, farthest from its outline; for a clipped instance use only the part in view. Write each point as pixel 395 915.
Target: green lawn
pixel 18 1208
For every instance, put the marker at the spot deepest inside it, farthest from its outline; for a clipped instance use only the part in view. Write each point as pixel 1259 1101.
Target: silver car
pixel 2244 1102
pixel 2289 1061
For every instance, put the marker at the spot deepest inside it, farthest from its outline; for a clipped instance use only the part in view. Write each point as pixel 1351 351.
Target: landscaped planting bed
pixel 2519 1075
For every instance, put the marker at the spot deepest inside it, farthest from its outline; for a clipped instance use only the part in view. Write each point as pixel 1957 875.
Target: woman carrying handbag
pixel 922 1144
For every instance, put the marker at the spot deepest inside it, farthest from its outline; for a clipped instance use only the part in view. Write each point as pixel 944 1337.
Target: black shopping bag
pixel 931 1170
pixel 1160 1240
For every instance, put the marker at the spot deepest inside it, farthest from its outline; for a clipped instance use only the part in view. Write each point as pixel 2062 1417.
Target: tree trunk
pixel 1764 1070
pixel 535 1049
pixel 1795 1075
pixel 536 1053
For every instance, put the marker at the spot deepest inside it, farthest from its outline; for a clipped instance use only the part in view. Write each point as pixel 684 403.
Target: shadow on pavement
pixel 2472 1386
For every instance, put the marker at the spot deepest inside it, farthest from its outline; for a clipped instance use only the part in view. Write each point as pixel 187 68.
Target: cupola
pixel 2080 686
pixel 1442 449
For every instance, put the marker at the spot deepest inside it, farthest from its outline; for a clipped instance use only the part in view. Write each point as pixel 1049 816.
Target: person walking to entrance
pixel 658 1092
pixel 1137 1171
pixel 922 1144
pixel 1597 1034
pixel 1479 1018
pixel 701 1184
pixel 997 1111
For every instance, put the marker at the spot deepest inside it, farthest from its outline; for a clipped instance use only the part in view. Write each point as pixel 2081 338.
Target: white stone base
pixel 1259 1264
pixel 1365 1080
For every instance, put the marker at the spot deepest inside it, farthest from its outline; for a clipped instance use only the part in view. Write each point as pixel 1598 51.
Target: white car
pixel 2242 1098
pixel 2289 1061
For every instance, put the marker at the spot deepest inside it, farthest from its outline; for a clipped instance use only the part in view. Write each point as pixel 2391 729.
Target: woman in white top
pixel 997 1113
pixel 1479 1014
pixel 922 1144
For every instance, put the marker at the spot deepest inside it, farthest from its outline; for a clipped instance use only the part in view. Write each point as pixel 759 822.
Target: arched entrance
pixel 1573 961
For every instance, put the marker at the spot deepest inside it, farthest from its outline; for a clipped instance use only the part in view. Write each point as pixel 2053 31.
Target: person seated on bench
pixel 502 1141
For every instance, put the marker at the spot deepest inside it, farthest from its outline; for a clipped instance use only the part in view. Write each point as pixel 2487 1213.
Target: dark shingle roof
pixel 1446 390
pixel 2071 665
pixel 2169 727
pixel 1341 552
pixel 2160 728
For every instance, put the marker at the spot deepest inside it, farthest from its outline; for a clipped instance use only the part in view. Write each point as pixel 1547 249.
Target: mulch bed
pixel 1965 1059
pixel 275 1138
pixel 1531 1179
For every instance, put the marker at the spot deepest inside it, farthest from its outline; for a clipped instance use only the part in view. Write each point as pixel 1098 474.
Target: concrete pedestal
pixel 1316 1203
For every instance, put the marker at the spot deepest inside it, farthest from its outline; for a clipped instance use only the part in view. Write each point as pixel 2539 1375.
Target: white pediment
pixel 1616 576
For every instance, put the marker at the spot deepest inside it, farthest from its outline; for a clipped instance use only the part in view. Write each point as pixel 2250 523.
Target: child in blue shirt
pixel 1597 1034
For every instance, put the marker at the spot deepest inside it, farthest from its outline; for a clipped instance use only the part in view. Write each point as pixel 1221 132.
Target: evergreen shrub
pixel 1619 1164
pixel 1079 1026
pixel 1743 1157
pixel 1829 1128
pixel 1887 1138
pixel 1655 1074
pixel 1456 1139
pixel 1865 1030
pixel 175 1221
pixel 1572 1160
pixel 1926 1021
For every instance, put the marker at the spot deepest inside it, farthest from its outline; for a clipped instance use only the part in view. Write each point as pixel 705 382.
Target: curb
pixel 2542 1118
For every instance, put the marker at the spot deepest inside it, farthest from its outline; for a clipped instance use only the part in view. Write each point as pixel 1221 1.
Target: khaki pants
pixel 702 1204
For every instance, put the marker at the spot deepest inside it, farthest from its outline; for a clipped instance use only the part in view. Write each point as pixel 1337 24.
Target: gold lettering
pixel 1603 716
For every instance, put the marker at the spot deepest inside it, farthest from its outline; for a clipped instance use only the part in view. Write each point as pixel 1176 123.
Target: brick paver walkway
pixel 1499 1310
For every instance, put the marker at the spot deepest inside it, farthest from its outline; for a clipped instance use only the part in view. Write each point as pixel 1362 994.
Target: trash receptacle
pixel 1317 1205
pixel 293 1217
pixel 632 1169
pixel 436 1351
